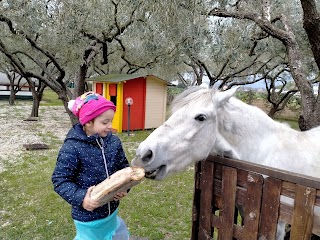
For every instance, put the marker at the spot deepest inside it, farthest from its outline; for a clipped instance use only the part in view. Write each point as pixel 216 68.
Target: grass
pixel 293 123
pixel 158 209
pixel 50 98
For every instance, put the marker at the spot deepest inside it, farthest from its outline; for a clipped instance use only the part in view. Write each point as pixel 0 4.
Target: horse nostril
pixel 147 157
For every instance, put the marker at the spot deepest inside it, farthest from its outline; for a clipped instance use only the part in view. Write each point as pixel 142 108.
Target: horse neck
pixel 241 129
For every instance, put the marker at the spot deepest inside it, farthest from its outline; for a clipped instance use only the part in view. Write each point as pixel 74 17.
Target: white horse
pixel 205 121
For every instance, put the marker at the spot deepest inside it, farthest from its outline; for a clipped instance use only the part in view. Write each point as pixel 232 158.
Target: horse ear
pixel 221 97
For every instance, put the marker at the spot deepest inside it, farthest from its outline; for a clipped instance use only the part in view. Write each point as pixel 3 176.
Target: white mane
pixel 190 96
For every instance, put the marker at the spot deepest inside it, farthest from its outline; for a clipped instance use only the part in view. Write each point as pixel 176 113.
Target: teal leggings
pixel 109 228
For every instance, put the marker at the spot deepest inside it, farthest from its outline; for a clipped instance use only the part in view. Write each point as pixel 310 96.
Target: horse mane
pixel 203 95
pixel 194 93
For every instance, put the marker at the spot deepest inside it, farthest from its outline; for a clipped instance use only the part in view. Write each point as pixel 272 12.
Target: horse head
pixel 188 136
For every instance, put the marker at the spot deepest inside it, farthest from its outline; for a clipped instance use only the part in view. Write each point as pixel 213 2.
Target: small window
pixel 113 93
pixel 113 99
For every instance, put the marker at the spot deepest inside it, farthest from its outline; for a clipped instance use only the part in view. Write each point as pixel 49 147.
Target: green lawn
pixel 292 122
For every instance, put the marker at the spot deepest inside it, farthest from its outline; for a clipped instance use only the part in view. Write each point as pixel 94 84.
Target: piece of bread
pixel 120 181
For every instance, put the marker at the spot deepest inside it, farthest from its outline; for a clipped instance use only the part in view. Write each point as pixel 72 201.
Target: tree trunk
pixel 272 111
pixel 311 23
pixel 12 97
pixel 74 120
pixel 35 106
pixel 37 94
pixel 79 83
pixel 309 115
pixel 250 97
pixel 63 96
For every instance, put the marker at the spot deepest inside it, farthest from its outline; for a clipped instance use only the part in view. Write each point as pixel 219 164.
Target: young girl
pixel 90 154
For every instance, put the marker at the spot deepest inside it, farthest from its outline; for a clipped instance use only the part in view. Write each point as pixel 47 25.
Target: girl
pixel 90 154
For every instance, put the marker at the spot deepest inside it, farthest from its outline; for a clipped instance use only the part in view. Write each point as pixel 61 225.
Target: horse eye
pixel 201 117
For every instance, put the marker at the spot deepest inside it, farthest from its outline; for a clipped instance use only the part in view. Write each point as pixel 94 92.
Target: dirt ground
pixel 265 106
pixel 15 131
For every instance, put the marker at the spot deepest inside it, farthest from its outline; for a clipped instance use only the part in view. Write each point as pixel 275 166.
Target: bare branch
pixel 132 66
pixel 182 80
pixel 261 22
pixel 35 46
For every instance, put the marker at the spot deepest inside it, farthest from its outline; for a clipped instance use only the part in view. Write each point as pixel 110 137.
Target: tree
pixel 100 42
pixel 279 28
pixel 277 93
pixel 231 42
pixel 37 53
pixel 39 64
pixel 311 23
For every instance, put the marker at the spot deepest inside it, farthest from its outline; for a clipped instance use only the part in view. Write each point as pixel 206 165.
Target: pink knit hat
pixel 89 105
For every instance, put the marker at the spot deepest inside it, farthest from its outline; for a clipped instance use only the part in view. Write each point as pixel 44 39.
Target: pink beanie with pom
pixel 89 105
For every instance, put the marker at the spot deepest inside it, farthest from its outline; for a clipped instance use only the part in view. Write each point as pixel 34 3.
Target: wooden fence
pixel 226 187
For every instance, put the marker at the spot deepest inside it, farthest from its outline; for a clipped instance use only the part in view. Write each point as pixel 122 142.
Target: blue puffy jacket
pixel 80 165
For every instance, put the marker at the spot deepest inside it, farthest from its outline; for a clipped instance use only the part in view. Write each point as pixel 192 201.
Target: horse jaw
pixel 145 158
pixel 158 166
pixel 223 148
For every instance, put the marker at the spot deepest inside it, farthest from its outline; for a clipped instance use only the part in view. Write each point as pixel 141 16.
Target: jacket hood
pixel 77 133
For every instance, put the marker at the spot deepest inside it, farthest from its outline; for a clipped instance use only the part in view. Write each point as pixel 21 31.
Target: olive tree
pixel 55 41
pixel 231 42
pixel 274 19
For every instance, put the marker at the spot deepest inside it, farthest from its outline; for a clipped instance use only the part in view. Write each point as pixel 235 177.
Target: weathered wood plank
pixel 270 204
pixel 253 203
pixel 316 225
pixel 35 146
pixel 238 233
pixel 269 171
pixel 302 219
pixel 206 185
pixel 196 202
pixel 228 194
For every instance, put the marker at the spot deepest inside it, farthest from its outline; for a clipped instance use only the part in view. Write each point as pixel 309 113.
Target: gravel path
pixel 53 122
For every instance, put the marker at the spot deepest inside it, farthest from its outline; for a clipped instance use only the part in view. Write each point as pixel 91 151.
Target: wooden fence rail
pixel 234 199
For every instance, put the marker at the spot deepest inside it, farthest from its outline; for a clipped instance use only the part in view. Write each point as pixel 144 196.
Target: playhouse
pixel 148 94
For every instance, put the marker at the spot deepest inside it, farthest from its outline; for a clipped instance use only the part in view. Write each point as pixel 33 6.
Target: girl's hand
pixel 119 195
pixel 88 203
